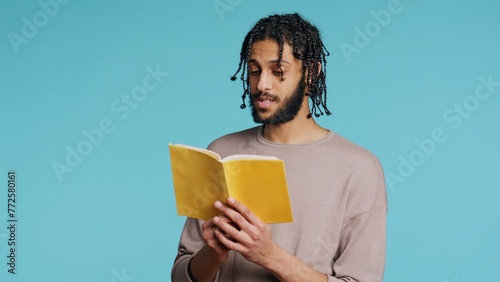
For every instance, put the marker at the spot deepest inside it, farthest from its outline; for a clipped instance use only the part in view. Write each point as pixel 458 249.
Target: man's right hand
pixel 214 245
pixel 205 264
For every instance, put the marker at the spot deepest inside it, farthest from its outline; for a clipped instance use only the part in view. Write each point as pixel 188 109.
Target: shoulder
pixel 366 183
pixel 351 153
pixel 234 140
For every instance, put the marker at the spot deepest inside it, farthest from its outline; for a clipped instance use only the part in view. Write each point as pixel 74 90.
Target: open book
pixel 201 177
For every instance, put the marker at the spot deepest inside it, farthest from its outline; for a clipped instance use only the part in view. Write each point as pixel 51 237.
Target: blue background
pixel 114 216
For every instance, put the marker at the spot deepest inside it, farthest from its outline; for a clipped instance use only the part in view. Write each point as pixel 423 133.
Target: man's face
pixel 273 100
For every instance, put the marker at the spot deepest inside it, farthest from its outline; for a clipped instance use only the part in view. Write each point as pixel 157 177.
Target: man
pixel 336 188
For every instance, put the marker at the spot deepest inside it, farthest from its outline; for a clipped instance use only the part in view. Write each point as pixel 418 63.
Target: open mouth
pixel 264 101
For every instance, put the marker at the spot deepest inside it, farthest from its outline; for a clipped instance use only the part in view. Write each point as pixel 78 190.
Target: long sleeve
pixel 190 243
pixel 362 243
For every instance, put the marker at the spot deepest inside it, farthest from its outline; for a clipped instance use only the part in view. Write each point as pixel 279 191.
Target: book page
pixel 261 186
pixel 198 182
pixel 206 151
pixel 248 157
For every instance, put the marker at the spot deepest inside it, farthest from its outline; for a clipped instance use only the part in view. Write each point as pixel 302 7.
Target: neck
pixel 297 131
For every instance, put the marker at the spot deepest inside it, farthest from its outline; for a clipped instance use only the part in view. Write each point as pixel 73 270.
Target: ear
pixel 310 78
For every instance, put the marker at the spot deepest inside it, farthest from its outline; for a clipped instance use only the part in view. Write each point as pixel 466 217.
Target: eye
pixel 254 72
pixel 278 70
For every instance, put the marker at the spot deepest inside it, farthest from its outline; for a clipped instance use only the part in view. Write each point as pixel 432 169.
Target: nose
pixel 265 82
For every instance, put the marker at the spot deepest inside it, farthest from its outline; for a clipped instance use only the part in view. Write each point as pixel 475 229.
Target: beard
pixel 287 111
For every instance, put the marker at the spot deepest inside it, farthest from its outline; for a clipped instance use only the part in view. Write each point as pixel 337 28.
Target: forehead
pixel 267 52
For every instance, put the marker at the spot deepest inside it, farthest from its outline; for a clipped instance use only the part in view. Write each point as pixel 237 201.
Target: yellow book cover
pixel 201 177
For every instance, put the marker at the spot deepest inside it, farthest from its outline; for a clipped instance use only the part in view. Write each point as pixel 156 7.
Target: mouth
pixel 264 101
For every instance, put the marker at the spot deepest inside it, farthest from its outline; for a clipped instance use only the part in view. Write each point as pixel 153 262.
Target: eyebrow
pixel 270 62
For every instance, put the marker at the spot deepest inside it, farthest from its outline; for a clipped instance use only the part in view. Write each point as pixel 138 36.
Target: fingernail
pixel 218 204
pixel 230 200
pixel 216 219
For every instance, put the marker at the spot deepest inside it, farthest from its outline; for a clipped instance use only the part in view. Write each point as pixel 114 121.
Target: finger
pixel 243 210
pixel 208 225
pixel 234 215
pixel 256 226
pixel 230 229
pixel 227 220
pixel 210 239
pixel 228 242
pixel 246 213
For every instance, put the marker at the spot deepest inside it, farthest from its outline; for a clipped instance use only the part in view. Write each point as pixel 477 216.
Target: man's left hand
pixel 244 232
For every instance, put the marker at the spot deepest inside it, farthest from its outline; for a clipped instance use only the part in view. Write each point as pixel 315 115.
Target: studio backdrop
pixel 92 93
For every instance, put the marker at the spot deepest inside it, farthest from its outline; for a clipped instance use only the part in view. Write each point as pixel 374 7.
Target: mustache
pixel 264 95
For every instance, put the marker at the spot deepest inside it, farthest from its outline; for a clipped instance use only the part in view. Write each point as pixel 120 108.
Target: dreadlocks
pixel 304 38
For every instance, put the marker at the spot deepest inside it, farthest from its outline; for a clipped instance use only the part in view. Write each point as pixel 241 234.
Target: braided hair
pixel 304 38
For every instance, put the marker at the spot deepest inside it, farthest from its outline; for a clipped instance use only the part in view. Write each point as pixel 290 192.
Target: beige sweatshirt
pixel 339 205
